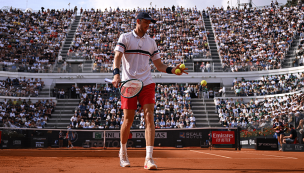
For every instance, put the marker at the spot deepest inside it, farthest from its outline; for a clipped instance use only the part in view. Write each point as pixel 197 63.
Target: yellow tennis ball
pixel 177 71
pixel 203 83
pixel 182 66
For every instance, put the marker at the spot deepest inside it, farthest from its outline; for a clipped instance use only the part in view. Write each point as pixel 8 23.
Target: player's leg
pixel 147 100
pixel 129 106
pixel 149 135
pixel 126 125
pixel 150 127
pixel 124 135
pixel 280 138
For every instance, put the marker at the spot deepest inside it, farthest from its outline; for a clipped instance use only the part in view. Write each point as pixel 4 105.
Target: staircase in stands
pixel 64 110
pixel 291 55
pixel 45 92
pixel 189 64
pixel 205 113
pixel 70 37
pixel 213 48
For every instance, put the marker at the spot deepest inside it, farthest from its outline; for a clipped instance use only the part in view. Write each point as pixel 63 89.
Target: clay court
pixel 167 159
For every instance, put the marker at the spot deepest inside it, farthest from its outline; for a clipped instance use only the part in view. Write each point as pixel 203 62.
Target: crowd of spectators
pixel 260 113
pixel 96 110
pixel 254 39
pixel 268 85
pixel 30 41
pixel 179 34
pixel 21 87
pixel 26 114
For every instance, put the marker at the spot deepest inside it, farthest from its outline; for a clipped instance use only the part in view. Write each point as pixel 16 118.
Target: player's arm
pixel 116 65
pixel 163 68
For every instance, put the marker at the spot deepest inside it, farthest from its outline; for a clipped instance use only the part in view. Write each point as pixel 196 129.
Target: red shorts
pixel 146 96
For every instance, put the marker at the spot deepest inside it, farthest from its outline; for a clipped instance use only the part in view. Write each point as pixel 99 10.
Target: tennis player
pixel 278 126
pixel 134 49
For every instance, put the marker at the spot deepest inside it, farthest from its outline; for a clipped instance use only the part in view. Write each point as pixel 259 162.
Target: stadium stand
pixel 30 42
pixel 26 114
pixel 254 39
pixel 21 87
pixel 98 32
pixel 259 112
pixel 269 85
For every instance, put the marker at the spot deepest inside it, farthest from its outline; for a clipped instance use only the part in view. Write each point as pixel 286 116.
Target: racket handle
pixel 108 80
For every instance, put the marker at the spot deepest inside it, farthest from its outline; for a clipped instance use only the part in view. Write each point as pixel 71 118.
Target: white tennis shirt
pixel 136 55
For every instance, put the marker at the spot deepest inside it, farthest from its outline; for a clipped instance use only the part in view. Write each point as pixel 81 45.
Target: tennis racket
pixel 129 88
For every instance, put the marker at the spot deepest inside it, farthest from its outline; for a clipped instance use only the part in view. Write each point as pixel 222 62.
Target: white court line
pixel 210 154
pixel 283 157
pixel 280 156
pixel 224 158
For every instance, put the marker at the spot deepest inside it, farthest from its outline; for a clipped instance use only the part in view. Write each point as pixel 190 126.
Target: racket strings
pixel 131 88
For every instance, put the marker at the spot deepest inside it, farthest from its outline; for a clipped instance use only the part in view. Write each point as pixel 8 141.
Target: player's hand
pixel 178 71
pixel 116 81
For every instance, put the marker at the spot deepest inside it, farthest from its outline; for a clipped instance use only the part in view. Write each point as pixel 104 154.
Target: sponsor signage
pixel 16 142
pixel 39 144
pixel 247 143
pixel 135 135
pixel 223 137
pixel 167 138
pixel 141 135
pixel 293 147
pixel 39 139
pixel 244 142
pixel 109 135
pixel 4 143
pixel 191 135
pixel 266 144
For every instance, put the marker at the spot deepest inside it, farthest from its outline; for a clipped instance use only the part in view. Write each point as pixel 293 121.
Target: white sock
pixel 123 148
pixel 149 152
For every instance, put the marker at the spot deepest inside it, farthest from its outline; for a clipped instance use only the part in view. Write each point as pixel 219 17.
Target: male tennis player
pixel 135 49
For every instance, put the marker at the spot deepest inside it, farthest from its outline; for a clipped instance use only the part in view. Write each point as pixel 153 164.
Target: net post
pixel 236 138
pixel 239 138
pixel 104 139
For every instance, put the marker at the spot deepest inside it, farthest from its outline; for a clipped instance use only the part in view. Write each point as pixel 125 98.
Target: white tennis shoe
pixel 124 161
pixel 149 164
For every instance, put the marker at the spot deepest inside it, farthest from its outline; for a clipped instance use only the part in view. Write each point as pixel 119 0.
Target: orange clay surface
pixel 167 159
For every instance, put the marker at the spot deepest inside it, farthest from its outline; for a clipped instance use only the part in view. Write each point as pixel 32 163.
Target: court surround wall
pixel 220 77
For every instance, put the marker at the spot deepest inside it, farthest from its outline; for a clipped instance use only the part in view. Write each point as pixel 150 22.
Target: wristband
pixel 169 70
pixel 116 71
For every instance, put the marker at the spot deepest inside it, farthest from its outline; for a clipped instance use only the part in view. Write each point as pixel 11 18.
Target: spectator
pixel 292 137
